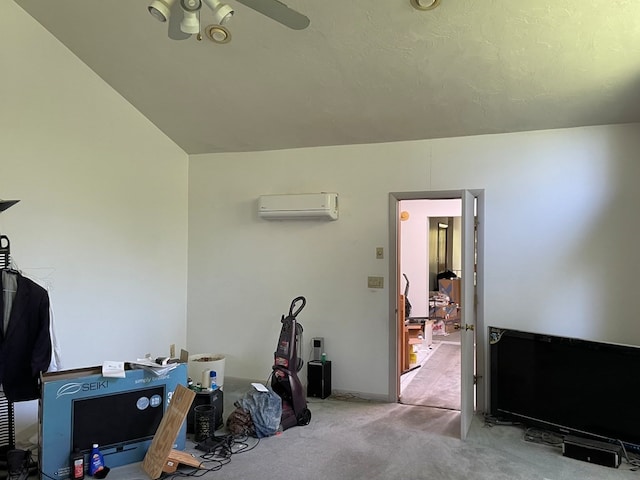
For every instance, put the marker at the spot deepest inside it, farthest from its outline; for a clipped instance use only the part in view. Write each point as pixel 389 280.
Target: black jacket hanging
pixel 25 346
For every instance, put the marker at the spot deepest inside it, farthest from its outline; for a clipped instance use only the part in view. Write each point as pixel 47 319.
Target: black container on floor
pixel 214 398
pixel 203 422
pixel 319 379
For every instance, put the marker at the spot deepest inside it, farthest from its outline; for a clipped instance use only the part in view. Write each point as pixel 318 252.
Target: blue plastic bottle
pixel 96 461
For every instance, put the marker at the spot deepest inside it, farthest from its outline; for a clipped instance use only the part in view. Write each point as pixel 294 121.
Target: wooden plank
pixel 176 457
pixel 162 443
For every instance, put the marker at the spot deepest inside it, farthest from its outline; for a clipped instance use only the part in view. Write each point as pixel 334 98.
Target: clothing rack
pixel 7 419
pixel 7 426
pixel 7 414
pixel 5 259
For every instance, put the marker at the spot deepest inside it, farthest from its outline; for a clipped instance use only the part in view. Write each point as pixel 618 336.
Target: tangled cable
pixel 218 450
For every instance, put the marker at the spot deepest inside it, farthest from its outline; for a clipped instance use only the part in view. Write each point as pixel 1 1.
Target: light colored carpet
pixel 437 381
pixel 351 440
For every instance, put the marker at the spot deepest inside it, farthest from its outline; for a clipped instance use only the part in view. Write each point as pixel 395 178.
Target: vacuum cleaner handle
pixel 296 300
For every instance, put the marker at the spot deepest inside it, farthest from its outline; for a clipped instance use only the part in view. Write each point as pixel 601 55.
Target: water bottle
pixel 213 382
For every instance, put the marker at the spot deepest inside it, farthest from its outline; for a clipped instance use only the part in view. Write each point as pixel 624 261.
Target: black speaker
pixel 214 398
pixel 318 379
pixel 592 451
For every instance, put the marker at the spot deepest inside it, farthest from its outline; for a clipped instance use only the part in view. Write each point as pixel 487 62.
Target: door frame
pixel 481 390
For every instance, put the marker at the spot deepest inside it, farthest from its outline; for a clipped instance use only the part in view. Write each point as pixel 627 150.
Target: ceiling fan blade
pixel 279 12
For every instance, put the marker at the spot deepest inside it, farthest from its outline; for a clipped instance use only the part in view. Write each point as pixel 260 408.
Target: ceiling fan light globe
pixel 223 14
pixel 221 11
pixel 157 14
pixel 424 4
pixel 190 23
pixel 218 34
pixel 161 9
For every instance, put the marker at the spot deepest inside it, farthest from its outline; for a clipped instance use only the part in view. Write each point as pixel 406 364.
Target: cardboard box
pixel 453 313
pixel 451 326
pixel 80 407
pixel 451 288
pixel 446 312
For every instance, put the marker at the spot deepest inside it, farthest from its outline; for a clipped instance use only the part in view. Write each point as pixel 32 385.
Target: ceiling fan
pixel 185 17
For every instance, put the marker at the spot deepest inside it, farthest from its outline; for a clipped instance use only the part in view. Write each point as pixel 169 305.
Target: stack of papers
pixel 116 369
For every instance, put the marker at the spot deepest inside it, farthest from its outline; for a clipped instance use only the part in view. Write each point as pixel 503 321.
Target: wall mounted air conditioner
pixel 301 206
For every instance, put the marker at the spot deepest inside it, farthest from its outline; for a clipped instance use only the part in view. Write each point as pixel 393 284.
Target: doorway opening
pixel 436 267
pixel 430 259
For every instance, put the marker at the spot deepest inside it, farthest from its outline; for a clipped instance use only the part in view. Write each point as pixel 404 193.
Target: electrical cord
pixel 491 421
pixel 555 440
pixel 632 460
pixel 241 444
pixel 219 450
pixel 543 437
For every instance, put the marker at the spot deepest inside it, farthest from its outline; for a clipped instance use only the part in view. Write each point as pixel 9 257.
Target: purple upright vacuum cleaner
pixel 286 365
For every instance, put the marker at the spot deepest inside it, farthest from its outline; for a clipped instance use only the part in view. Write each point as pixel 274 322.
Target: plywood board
pixel 162 443
pixel 176 457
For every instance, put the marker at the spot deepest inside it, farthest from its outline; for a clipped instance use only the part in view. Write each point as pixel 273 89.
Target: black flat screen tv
pixel 566 385
pixel 118 419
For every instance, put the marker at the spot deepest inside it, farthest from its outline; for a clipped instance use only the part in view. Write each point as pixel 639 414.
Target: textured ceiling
pixel 364 71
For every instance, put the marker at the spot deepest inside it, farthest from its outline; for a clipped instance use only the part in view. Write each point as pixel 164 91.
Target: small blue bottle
pixel 213 380
pixel 96 461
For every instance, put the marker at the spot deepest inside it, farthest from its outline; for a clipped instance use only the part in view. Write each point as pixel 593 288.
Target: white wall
pixel 102 219
pixel 560 242
pixel 561 254
pixel 414 238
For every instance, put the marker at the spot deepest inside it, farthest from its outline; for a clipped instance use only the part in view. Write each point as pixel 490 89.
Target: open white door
pixel 467 325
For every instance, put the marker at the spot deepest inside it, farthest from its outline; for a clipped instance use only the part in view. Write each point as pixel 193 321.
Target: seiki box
pixel 80 407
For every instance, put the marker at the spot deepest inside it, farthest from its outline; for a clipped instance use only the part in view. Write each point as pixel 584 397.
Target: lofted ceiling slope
pixel 364 71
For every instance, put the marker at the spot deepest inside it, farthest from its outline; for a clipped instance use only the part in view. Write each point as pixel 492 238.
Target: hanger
pixel 12 270
pixel 6 262
pixel 4 251
pixel 5 245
